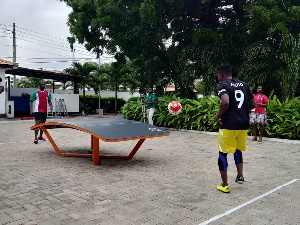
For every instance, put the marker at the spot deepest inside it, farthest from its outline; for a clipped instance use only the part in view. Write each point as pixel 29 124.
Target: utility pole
pixel 14 53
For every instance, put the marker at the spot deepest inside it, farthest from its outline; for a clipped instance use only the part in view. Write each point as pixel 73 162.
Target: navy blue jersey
pixel 237 115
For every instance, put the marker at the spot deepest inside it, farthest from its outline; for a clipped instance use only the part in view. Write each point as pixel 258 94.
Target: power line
pixel 29 39
pixel 26 29
pixel 8 57
pixel 41 51
pixel 61 61
pixel 42 39
pixel 80 52
pixel 52 46
pixel 27 34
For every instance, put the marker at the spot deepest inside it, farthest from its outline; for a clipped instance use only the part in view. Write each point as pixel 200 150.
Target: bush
pixel 197 114
pixel 107 103
pixel 283 117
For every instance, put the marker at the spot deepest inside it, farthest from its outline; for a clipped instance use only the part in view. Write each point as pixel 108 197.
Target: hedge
pixel 283 117
pixel 106 103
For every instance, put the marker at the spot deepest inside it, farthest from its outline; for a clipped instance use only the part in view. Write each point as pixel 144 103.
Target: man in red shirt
pixel 41 97
pixel 258 115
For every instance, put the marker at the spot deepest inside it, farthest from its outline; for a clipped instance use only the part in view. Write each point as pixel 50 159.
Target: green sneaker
pixel 225 189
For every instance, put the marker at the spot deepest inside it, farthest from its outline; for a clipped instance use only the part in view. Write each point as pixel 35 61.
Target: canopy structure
pixel 45 74
pixel 9 68
pixel 59 76
pixel 53 75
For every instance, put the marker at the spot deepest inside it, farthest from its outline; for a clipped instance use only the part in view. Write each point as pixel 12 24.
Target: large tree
pixel 181 40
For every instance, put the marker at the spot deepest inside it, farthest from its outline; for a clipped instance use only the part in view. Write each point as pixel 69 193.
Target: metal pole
pixel 99 85
pixel 99 96
pixel 8 87
pixel 73 50
pixel 14 52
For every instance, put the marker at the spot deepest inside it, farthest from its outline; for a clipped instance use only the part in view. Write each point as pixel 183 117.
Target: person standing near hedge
pixel 151 98
pixel 258 115
pixel 233 116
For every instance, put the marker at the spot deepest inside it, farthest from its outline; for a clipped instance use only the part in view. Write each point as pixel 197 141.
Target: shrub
pixel 283 117
pixel 106 103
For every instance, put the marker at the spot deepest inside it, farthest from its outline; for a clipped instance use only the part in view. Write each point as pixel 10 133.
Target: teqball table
pixel 113 130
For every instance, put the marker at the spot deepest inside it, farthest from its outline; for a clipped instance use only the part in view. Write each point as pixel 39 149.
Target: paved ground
pixel 171 180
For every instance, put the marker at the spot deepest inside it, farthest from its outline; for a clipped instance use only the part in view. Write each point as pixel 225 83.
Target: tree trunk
pixel 83 94
pixel 116 101
pixel 116 95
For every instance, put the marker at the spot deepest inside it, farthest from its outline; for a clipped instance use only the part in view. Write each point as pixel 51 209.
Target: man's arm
pixel 30 107
pixel 153 100
pixel 224 104
pixel 1 89
pixel 264 105
pixel 50 103
pixel 32 99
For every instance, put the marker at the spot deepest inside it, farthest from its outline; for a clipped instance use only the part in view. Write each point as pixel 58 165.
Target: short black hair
pixel 42 81
pixel 225 68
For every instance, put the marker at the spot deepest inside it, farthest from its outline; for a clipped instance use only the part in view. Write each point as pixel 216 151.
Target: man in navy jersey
pixel 236 102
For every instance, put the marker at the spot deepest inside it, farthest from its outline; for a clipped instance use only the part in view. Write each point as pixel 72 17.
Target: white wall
pixel 2 96
pixel 124 95
pixel 71 101
pixel 18 91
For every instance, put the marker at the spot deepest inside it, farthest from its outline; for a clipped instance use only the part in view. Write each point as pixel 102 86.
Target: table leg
pixel 95 150
pixel 136 148
pixel 130 156
pixel 57 149
pixel 51 141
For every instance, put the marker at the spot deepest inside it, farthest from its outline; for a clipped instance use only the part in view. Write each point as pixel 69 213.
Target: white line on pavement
pixel 246 203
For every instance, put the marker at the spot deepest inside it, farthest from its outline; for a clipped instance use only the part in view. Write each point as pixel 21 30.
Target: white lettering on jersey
pixel 237 84
pixel 223 90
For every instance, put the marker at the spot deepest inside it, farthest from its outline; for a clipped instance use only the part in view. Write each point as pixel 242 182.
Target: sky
pixel 41 35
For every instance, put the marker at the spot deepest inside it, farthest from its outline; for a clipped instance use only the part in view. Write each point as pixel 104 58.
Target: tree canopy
pixel 179 41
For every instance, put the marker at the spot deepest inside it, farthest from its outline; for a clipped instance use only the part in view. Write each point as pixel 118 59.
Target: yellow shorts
pixel 230 140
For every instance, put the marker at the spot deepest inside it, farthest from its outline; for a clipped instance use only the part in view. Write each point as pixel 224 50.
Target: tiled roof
pixel 4 62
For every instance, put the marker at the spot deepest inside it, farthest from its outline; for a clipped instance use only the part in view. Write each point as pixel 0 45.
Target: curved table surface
pixel 110 130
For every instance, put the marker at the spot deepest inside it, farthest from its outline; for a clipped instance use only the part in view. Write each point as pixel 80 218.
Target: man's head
pixel 259 89
pixel 42 85
pixel 150 90
pixel 224 71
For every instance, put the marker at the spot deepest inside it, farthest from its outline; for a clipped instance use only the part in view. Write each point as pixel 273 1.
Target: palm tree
pixel 85 71
pixel 115 76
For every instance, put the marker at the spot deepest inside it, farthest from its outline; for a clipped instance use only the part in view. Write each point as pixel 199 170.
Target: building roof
pixel 6 64
pixel 46 74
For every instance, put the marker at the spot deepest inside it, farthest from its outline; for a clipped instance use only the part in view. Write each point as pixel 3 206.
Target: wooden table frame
pixel 94 142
